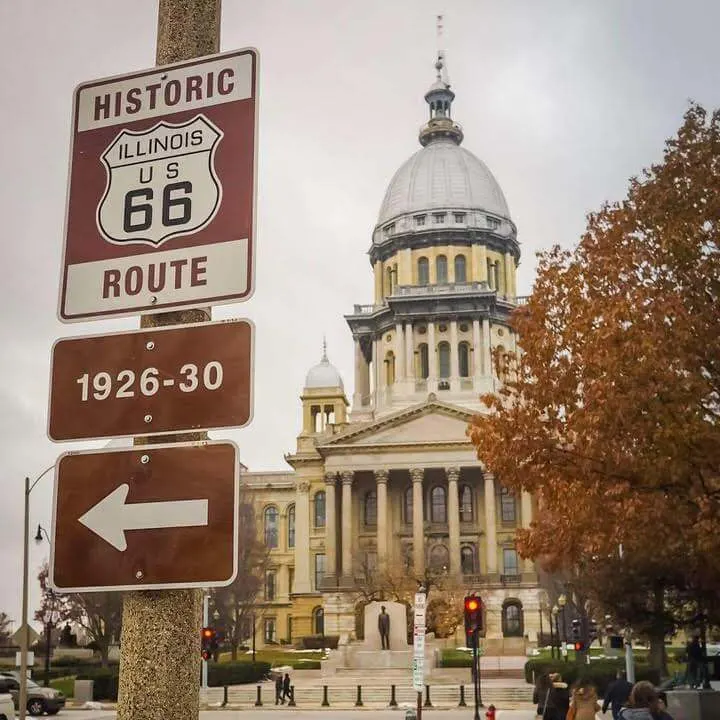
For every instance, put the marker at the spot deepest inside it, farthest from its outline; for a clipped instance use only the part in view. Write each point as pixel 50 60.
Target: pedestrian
pixel 662 713
pixel 694 662
pixel 551 696
pixel 286 692
pixel 279 690
pixel 560 694
pixel 642 704
pixel 541 695
pixel 584 704
pixel 617 694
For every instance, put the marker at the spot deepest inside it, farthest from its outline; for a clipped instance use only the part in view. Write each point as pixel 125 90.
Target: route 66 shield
pixel 161 182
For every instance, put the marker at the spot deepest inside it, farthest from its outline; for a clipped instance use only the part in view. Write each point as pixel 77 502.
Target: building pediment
pixel 430 423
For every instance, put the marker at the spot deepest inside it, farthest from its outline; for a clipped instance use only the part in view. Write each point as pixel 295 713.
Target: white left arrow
pixel 112 516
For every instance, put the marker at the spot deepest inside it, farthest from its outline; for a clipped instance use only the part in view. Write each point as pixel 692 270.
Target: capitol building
pixel 388 477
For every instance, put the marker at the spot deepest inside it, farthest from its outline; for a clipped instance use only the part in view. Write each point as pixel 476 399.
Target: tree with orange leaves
pixel 610 415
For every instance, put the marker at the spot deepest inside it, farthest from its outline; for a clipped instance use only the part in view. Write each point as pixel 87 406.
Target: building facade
pixel 391 479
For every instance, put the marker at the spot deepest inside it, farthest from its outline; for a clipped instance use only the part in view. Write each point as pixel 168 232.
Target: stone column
pixel 453 474
pixel 399 353
pixel 432 356
pixel 330 528
pixel 362 376
pixel 486 349
pixel 526 517
pixel 302 538
pixel 477 353
pixel 509 289
pixel 347 536
pixel 409 353
pixel 454 357
pixel 418 520
pixel 381 482
pixel 490 526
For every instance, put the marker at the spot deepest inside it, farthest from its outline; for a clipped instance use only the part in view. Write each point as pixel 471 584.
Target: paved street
pixel 272 714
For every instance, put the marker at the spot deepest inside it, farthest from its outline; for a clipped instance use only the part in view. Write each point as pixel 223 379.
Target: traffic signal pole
pixel 160 651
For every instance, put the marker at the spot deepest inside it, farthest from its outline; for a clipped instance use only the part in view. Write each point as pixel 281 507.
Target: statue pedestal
pixel 380 659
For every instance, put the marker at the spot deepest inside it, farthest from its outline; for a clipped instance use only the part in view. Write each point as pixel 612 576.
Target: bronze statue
pixel 384 628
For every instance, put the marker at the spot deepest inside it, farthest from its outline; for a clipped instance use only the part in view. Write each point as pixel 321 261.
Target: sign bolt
pixel 148 418
pixel 153 299
pixel 145 459
pixel 139 574
pixel 150 345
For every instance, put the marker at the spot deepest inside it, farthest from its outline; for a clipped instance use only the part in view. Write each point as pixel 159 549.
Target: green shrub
pixel 319 642
pixel 237 673
pixel 65 685
pixel 301 664
pixel 455 659
pixel 69 660
pixel 600 672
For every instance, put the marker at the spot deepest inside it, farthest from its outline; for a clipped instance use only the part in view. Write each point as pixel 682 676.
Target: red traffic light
pixel 471 604
pixel 579 646
pixel 473 614
pixel 208 633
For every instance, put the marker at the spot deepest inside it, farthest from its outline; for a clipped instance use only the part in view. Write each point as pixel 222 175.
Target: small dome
pixel 324 374
pixel 443 175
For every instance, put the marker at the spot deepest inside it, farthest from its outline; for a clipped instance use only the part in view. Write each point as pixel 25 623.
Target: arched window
pixel 507 506
pixel 423 361
pixel 512 618
pixel 388 281
pixel 390 368
pixel 271 527
pixel 460 269
pixel 408 506
pixel 467 559
pixel 464 359
pixel 318 621
pixel 491 275
pixel 466 503
pixel 291 526
pixel 439 558
pixel 444 359
pixel 441 270
pixel 438 505
pixel 319 507
pixel 370 508
pixel 423 270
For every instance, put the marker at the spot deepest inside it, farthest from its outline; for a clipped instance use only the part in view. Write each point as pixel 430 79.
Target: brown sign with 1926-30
pixel 149 382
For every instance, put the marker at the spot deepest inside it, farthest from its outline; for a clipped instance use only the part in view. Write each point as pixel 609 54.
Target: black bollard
pixel 393 701
pixel 462 702
pixel 427 697
pixel 359 702
pixel 291 702
pixel 225 695
pixel 258 702
pixel 325 702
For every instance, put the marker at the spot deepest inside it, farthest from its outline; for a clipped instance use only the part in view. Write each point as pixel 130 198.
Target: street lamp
pixel 562 601
pixel 555 610
pixel 50 619
pixel 24 640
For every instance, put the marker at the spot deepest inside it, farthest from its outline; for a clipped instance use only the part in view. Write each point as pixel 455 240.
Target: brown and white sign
pixel 143 518
pixel 146 382
pixel 161 194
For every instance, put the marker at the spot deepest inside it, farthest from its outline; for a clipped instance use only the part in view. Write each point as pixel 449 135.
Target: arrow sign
pixel 112 516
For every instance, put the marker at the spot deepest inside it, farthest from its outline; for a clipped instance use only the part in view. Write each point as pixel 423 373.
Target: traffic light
pixel 208 642
pixel 473 614
pixel 576 631
pixel 579 646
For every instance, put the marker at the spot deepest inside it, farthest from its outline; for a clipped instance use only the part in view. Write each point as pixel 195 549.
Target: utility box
pixel 83 691
pixel 694 704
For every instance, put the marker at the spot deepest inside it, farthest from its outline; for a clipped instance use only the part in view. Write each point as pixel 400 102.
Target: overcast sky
pixel 563 99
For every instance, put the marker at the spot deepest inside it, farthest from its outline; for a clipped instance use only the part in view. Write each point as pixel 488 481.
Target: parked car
pixel 39 699
pixel 7 709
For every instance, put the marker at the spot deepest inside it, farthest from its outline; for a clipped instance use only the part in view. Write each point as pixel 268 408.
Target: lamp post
pixel 562 601
pixel 555 610
pixel 22 709
pixel 50 619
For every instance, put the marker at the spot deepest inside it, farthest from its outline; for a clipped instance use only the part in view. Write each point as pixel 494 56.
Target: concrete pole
pixel 160 651
pixel 24 634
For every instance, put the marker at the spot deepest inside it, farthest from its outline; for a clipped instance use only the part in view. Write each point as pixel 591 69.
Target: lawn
pixel 306 659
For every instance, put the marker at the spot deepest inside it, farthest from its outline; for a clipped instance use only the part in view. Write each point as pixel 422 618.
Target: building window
pixel 388 281
pixel 291 526
pixel 424 369
pixel 491 275
pixel 319 507
pixel 371 562
pixel 408 506
pixel 390 368
pixel 466 503
pixel 512 619
pixel 408 556
pixel 492 223
pixel 271 527
pixel 444 359
pixel 467 559
pixel 370 508
pixel 419 220
pixel 390 229
pixel 441 269
pixel 507 506
pixel 269 630
pixel 318 621
pixel 460 269
pixel 319 570
pixel 270 588
pixel 439 558
pixel 423 269
pixel 496 273
pixel 439 218
pixel 291 579
pixel 510 562
pixel 459 217
pixel 464 359
pixel 438 505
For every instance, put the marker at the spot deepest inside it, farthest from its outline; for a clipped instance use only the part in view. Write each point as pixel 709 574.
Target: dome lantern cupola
pixel 323 398
pixel 439 99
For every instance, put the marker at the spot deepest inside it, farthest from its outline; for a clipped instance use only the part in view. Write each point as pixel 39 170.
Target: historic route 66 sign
pixel 161 194
pixel 161 182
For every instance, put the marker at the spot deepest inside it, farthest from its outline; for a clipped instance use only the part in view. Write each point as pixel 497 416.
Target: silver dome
pixel 323 375
pixel 442 175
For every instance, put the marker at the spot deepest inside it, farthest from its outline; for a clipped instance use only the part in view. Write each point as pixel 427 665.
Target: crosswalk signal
pixel 473 614
pixel 208 644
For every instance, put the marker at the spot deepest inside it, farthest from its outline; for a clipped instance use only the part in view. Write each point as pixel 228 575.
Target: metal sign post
pixel 419 619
